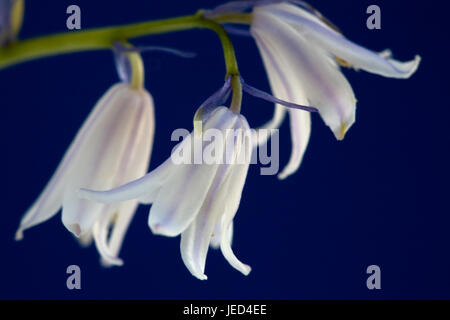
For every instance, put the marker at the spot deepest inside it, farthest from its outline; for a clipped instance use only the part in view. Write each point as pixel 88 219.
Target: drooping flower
pixel 11 16
pixel 302 52
pixel 197 191
pixel 196 198
pixel 112 148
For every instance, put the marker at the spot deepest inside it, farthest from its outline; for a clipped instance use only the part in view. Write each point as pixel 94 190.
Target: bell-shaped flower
pixel 112 148
pixel 197 191
pixel 11 16
pixel 302 52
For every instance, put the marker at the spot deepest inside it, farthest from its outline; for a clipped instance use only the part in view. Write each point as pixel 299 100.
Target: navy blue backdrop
pixel 378 197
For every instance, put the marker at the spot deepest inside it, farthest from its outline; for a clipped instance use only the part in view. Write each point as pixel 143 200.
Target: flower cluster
pixel 103 175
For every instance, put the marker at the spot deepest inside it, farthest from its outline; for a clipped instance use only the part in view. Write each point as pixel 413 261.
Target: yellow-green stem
pixel 137 71
pixel 104 38
pixel 137 67
pixel 239 18
pixel 236 100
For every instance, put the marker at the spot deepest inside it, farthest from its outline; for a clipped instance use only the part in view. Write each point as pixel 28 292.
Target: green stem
pixel 137 71
pixel 236 100
pixel 104 38
pixel 238 18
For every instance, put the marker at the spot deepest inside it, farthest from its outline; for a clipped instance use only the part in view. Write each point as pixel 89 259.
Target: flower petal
pixel 325 37
pixel 217 235
pixel 134 164
pixel 142 188
pixel 101 231
pixel 51 198
pixel 261 134
pixel 170 218
pixel 105 158
pixel 311 68
pixel 196 238
pixel 86 239
pixel 277 83
pixel 78 216
pixel 235 187
pixel 300 133
pixel 290 91
pixel 122 220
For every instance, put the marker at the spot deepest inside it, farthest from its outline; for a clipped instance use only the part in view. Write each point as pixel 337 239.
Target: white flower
pixel 301 54
pixel 196 200
pixel 112 148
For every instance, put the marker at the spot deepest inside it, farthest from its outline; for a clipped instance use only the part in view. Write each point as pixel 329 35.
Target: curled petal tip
pixel 415 65
pixel 75 229
pixel 111 262
pixel 404 69
pixel 197 272
pixel 161 230
pixel 342 131
pixel 19 235
pixel 155 228
pixel 283 175
pixel 201 276
pixel 246 270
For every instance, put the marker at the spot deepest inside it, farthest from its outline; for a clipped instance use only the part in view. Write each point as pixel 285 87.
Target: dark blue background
pixel 379 197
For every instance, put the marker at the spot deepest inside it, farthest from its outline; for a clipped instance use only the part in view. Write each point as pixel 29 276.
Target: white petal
pixel 259 136
pixel 358 56
pixel 78 216
pixel 290 91
pixel 101 232
pixel 196 238
pixel 145 189
pixel 235 187
pixel 188 183
pixel 217 235
pixel 300 133
pixel 122 220
pixel 141 188
pixel 310 69
pixel 86 239
pixel 134 165
pixel 229 255
pixel 107 154
pixel 51 198
pixel 278 84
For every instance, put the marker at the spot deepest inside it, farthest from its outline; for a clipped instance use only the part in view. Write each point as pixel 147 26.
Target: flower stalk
pixel 105 37
pixel 236 99
pixel 137 73
pixel 237 18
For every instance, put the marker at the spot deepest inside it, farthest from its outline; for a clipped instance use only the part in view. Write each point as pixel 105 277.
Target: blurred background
pixel 378 197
